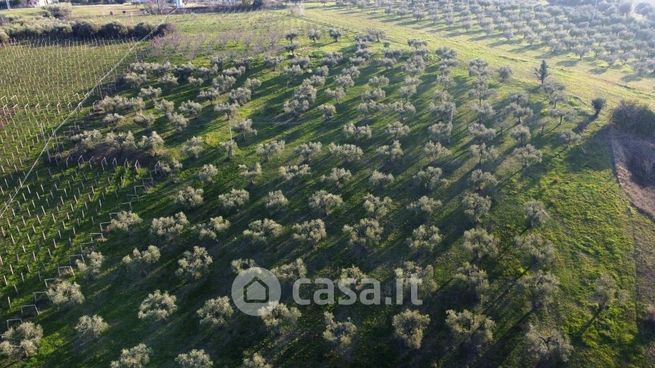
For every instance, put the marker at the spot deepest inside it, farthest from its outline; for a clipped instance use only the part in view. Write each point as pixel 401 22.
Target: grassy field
pixel 593 226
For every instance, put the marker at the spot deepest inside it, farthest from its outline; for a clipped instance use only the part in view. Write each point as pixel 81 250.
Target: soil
pixel 624 146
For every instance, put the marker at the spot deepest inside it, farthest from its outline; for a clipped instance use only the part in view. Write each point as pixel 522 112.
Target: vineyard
pixel 460 145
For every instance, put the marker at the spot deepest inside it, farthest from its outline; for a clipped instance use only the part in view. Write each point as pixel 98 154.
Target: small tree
pixel 139 260
pixel 377 207
pixel 473 279
pixel 474 330
pixel 504 73
pixel 535 213
pixel 409 326
pixel 325 202
pixel 547 344
pixel 424 237
pixel 276 201
pixel 311 232
pixel 335 34
pixel 291 271
pixel 194 147
pixel 537 252
pixel 169 227
pixel 194 265
pixel 91 265
pixel 539 288
pixel 598 104
pixel 135 357
pixel 235 198
pixel 189 197
pixel 542 72
pixel 606 292
pixel 22 341
pixel 216 312
pixel 280 319
pixel 157 306
pixel 125 221
pixel 425 205
pixel 527 155
pixel 368 232
pixel 480 243
pixel 339 334
pixel 256 361
pixel 90 327
pixel 431 177
pixel 476 206
pixel 207 173
pixel 64 293
pixel 261 231
pixel 194 359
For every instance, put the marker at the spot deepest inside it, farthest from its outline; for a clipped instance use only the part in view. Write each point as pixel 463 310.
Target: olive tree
pixel 295 171
pixel 311 232
pixel 474 330
pixel 22 341
pixel 169 227
pixel 325 202
pixel 367 232
pixel 261 231
pixel 207 173
pixel 425 205
pixel 431 177
pixel 138 260
pixel 482 180
pixel 535 213
pixel 194 265
pixel 125 221
pixel 539 288
pixel 276 201
pixel 536 252
pixel 476 207
pixel 215 312
pixel 338 177
pixel 377 207
pixel 193 147
pixel 424 237
pixel 340 335
pixel 90 327
pixel 480 243
pixel 280 319
pixel 194 359
pixel 234 199
pixel 157 306
pixel 91 265
pixel 190 197
pixel 473 279
pixel 256 361
pixel 65 293
pixel 547 344
pixel 409 327
pixel 135 357
pixel 269 149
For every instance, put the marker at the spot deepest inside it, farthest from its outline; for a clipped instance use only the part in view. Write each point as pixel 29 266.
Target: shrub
pixel 632 117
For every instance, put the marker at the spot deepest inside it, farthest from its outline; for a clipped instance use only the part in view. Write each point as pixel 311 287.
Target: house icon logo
pixel 254 290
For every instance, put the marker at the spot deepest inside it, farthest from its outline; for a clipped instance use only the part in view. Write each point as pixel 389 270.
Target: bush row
pixel 82 30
